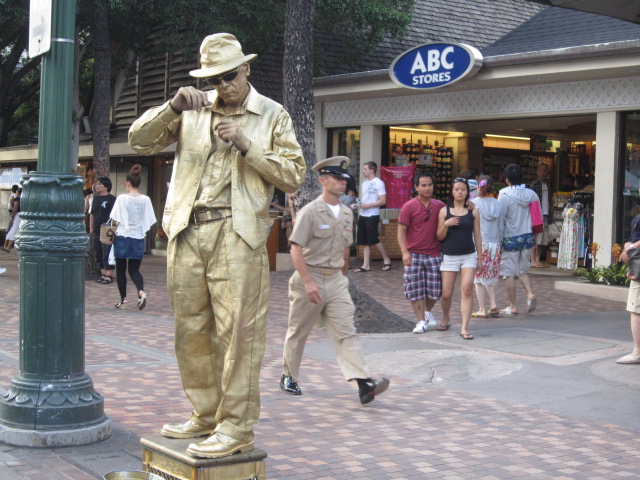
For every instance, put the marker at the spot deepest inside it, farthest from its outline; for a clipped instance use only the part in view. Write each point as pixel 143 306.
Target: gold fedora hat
pixel 220 53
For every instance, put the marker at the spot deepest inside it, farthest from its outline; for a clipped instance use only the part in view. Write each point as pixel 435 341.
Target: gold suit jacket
pixel 273 160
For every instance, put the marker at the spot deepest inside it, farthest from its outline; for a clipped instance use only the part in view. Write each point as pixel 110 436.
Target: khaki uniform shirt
pixel 322 237
pixel 274 159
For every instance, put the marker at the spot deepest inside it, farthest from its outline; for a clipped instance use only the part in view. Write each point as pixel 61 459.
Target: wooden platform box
pixel 168 458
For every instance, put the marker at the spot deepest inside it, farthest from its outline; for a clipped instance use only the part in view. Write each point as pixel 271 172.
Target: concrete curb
pixel 596 290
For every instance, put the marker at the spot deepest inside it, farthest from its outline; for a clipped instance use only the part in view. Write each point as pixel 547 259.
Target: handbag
pixel 107 232
pixel 537 222
pixel 633 262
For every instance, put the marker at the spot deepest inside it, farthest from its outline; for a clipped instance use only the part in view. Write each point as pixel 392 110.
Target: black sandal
pixel 106 280
pixel 122 304
pixel 100 279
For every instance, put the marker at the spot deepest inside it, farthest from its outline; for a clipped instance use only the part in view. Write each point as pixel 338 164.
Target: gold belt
pixel 323 270
pixel 209 215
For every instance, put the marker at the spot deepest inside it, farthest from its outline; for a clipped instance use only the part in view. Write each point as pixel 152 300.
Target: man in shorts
pixel 417 229
pixel 374 195
pixel 518 237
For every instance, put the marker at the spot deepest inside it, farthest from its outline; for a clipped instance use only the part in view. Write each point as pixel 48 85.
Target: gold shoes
pixel 192 428
pixel 218 445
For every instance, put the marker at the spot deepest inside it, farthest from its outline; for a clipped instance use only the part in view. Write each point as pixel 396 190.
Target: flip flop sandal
pixel 443 328
pixel 386 267
pixel 361 270
pixel 477 315
pixel 493 312
pixel 532 304
pixel 628 359
pixel 466 336
pixel 507 311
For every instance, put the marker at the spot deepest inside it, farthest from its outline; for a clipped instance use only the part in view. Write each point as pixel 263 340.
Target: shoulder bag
pixel 107 232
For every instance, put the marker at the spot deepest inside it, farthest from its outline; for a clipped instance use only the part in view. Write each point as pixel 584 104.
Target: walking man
pixel 320 241
pixel 233 147
pixel 374 195
pixel 518 237
pixel 418 241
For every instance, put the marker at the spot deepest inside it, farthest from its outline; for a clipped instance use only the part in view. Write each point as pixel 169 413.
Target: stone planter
pixel 596 290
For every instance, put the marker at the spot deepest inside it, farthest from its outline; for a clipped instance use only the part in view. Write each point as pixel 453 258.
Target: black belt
pixel 209 215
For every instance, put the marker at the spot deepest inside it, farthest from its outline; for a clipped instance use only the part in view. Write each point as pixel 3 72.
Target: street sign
pixel 435 65
pixel 39 27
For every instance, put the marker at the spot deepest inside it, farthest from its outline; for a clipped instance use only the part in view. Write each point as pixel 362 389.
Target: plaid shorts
pixel 422 278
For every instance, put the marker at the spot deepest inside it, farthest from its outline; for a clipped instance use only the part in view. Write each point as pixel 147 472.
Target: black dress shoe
pixel 370 388
pixel 289 386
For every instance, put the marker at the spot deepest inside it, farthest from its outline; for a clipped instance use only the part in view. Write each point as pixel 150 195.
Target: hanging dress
pixel 569 238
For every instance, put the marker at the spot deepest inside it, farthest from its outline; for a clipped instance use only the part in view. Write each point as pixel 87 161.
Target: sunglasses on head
pixel 460 179
pixel 227 77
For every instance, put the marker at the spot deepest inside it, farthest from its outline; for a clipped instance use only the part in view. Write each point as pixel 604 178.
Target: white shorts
pixel 453 263
pixel 515 263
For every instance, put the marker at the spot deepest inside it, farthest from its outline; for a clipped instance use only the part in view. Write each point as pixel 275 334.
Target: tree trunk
pixel 297 71
pixel 100 117
pixel 297 74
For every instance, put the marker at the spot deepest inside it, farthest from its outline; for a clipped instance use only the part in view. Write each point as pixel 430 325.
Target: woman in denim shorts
pixel 459 232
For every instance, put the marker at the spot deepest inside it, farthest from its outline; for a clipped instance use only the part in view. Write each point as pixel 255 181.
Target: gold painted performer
pixel 233 147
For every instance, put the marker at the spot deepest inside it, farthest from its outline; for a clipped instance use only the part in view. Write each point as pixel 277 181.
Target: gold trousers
pixel 219 289
pixel 337 309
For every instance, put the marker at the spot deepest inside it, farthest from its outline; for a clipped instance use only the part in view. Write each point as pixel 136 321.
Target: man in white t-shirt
pixel 374 195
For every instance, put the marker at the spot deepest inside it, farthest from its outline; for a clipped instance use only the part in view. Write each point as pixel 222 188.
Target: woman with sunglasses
pixel 461 245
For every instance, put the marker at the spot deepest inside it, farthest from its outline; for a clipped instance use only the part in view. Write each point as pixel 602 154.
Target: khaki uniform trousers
pixel 338 310
pixel 219 289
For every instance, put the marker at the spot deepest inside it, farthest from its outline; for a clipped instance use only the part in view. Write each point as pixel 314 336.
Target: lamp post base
pixel 20 437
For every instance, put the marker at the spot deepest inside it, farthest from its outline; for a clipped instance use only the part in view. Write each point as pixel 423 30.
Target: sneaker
pixel 430 319
pixel 421 327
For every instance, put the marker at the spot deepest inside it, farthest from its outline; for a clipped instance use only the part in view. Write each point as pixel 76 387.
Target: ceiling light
pixel 506 136
pixel 420 130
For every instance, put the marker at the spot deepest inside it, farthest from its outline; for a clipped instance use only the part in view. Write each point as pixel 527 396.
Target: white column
pixel 371 145
pixel 606 185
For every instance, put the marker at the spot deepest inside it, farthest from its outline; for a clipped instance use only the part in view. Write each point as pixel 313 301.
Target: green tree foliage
pixel 153 27
pixel 19 75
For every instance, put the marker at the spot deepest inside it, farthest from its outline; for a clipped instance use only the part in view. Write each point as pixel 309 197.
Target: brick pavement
pixel 417 430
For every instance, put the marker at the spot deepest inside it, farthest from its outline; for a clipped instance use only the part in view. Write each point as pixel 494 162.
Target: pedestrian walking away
pixel 234 147
pixel 134 214
pixel 491 228
pixel 320 243
pixel 418 242
pixel 518 237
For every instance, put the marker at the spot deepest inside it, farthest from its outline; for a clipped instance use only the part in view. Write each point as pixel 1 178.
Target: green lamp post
pixel 51 401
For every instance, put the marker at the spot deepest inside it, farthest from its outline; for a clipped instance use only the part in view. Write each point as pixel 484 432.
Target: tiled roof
pixel 557 27
pixel 476 22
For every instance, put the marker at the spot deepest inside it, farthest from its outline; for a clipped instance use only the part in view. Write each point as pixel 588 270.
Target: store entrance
pixel 566 145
